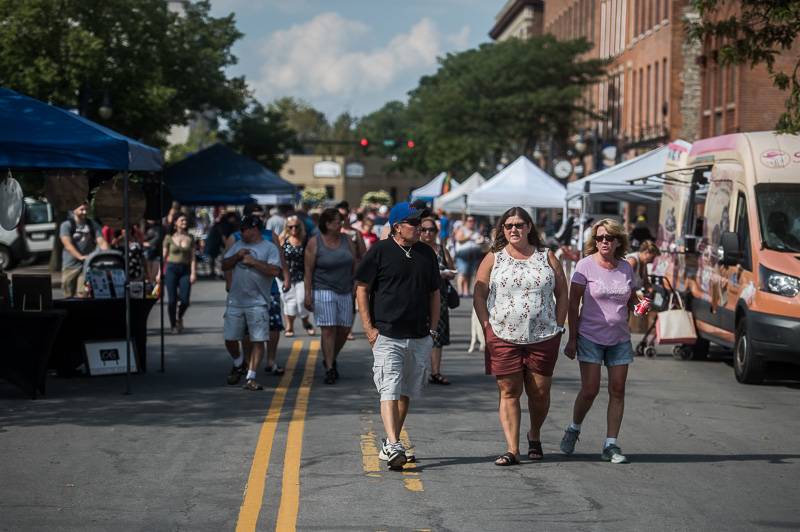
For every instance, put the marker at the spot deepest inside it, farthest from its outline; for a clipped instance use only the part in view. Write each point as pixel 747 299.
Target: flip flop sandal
pixel 275 370
pixel 252 386
pixel 288 334
pixel 535 450
pixel 310 331
pixel 506 459
pixel 438 378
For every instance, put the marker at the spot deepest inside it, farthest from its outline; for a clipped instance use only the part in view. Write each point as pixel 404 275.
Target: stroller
pixel 104 272
pixel 661 297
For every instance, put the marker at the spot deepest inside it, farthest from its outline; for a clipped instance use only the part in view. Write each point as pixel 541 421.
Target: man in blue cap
pixel 397 289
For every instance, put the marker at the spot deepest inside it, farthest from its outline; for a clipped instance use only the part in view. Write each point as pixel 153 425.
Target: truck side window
pixel 743 230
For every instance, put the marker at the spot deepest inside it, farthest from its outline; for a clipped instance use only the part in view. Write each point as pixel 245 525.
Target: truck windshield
pixel 779 215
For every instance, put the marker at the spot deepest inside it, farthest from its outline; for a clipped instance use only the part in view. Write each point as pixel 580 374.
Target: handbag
pixel 675 326
pixel 453 299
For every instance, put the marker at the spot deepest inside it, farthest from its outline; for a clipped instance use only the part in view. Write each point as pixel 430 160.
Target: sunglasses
pixel 293 227
pixel 518 225
pixel 605 238
pixel 428 230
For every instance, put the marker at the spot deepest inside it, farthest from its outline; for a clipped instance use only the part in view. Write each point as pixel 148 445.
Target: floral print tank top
pixel 522 305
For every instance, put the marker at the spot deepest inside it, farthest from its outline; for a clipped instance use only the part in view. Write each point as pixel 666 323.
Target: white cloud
pixel 326 59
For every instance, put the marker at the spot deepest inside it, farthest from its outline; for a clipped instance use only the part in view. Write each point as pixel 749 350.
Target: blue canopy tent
pixel 218 175
pixel 36 135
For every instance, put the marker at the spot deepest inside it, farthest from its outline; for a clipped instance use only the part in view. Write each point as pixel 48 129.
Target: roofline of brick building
pixel 511 11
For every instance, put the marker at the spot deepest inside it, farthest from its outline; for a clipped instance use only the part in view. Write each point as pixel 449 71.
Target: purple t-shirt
pixel 604 315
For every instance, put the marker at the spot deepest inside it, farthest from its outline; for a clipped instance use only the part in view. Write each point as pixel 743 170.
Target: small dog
pixel 476 334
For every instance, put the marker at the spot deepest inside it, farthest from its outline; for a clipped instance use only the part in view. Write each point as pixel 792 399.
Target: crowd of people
pixel 395 269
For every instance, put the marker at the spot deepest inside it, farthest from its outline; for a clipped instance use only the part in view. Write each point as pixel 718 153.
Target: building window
pixel 718 86
pixel 666 9
pixel 717 123
pixel 731 83
pixel 657 11
pixel 641 99
pixel 664 91
pixel 647 93
pixel 656 99
pixel 730 121
pixel 330 191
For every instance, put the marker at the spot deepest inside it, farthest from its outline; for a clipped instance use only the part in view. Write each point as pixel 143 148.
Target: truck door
pixel 739 276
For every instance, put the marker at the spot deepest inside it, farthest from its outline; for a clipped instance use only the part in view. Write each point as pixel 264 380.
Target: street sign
pixel 327 169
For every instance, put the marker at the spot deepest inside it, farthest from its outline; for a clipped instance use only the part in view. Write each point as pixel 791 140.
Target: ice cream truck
pixel 737 258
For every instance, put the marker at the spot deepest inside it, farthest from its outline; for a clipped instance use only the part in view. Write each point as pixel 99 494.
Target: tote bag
pixel 675 326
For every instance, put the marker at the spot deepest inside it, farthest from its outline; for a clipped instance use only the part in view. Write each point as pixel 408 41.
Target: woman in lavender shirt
pixel 598 331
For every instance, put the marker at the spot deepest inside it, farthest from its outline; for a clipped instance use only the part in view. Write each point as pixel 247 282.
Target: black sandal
pixel 438 378
pixel 535 450
pixel 506 459
pixel 330 376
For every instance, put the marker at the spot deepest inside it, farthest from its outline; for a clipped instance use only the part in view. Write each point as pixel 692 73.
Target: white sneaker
pixel 395 454
pixel 613 454
pixel 382 454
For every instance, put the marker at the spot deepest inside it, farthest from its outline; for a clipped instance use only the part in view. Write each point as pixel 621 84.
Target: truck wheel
pixel 682 352
pixel 748 368
pixel 700 349
pixel 6 261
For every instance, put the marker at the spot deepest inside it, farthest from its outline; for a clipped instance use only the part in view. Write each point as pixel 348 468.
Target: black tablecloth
pixel 98 319
pixel 26 343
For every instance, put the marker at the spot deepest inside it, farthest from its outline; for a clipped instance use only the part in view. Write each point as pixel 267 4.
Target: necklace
pixel 406 251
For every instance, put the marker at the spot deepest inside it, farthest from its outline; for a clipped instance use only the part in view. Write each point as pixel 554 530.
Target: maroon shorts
pixel 504 358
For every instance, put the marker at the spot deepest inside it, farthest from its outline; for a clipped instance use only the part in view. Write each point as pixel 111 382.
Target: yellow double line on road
pixel 290 491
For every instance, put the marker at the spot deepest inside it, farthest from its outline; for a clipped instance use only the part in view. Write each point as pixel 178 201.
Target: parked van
pixel 738 260
pixel 33 238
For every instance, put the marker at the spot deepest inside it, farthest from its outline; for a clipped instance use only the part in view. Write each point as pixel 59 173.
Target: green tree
pixel 307 122
pixel 499 99
pixel 153 66
pixel 262 134
pixel 390 122
pixel 758 32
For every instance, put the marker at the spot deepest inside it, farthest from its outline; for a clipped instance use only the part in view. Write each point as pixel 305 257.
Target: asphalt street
pixel 187 452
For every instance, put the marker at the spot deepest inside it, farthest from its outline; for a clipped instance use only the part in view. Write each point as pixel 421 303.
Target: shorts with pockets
pixel 241 321
pixel 401 366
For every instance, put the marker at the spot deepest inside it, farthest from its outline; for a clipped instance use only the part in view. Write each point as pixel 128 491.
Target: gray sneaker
pixel 613 454
pixel 383 454
pixel 569 440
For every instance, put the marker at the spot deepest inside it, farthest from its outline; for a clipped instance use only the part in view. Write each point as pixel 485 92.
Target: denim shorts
pixel 241 321
pixel 610 355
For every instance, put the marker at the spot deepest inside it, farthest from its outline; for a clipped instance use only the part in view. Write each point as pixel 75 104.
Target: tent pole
pixel 161 261
pixel 126 226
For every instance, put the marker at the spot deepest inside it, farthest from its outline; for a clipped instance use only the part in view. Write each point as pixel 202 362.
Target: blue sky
pixel 350 55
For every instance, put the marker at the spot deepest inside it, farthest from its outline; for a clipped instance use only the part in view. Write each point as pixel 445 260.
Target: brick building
pixel 518 18
pixel 660 86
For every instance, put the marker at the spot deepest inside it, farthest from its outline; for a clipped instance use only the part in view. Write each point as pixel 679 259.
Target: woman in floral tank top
pixel 293 243
pixel 521 301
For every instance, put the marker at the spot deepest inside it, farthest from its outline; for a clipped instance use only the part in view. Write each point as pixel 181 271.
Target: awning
pixel 434 188
pixel 34 134
pixel 218 175
pixel 611 184
pixel 456 200
pixel 521 184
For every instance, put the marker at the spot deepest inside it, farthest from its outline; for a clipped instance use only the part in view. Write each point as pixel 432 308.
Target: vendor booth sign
pixel 108 357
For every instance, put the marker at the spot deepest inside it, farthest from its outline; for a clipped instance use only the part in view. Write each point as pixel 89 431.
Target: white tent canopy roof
pixel 432 189
pixel 522 184
pixel 455 200
pixel 611 184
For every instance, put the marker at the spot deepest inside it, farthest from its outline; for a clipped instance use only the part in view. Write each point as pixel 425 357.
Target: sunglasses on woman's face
pixel 605 238
pixel 518 225
pixel 428 230
pixel 293 226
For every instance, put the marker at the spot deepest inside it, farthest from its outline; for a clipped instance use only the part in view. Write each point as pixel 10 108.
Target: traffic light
pixel 364 142
pixel 410 143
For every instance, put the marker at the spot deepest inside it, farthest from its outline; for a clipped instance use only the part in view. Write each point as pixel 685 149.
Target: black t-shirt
pixel 400 288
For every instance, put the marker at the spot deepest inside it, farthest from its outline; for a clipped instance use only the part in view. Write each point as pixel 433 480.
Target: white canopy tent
pixel 456 200
pixel 521 183
pixel 432 189
pixel 612 184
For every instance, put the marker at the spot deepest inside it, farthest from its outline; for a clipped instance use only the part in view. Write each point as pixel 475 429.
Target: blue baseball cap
pixel 402 212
